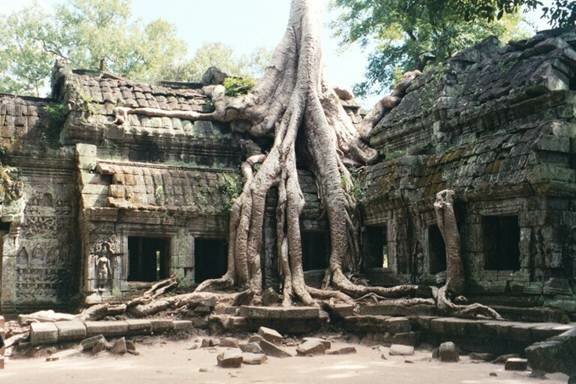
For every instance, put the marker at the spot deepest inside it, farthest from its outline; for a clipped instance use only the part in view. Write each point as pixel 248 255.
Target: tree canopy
pixel 407 34
pixel 101 34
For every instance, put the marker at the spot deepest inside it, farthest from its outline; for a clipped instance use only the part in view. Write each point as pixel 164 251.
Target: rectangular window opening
pixel 501 238
pixel 376 247
pixel 315 250
pixel 149 258
pixel 436 250
pixel 210 258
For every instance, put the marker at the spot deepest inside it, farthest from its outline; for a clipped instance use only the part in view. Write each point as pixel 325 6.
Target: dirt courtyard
pixel 175 362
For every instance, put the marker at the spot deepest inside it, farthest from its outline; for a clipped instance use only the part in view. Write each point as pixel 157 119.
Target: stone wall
pixel 40 248
pixel 495 124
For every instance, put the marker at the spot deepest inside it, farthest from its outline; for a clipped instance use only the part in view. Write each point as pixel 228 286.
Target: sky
pixel 245 25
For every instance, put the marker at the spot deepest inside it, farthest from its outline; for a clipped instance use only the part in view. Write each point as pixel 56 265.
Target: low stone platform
pixel 497 337
pixel 294 320
pixel 76 330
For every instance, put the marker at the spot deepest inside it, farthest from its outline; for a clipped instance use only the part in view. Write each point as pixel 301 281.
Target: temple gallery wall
pixel 90 207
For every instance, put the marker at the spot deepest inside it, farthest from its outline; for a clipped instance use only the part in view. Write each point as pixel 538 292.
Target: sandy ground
pixel 174 362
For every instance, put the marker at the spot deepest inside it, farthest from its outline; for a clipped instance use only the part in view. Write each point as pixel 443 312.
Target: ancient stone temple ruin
pixel 95 209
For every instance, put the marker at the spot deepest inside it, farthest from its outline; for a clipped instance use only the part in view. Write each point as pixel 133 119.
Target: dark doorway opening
pixel 315 250
pixel 376 247
pixel 436 250
pixel 210 258
pixel 501 237
pixel 149 258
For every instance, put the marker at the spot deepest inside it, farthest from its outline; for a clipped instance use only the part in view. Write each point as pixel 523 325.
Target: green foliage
pixel 355 185
pixel 231 189
pixel 221 56
pixel 559 13
pixel 236 86
pixel 408 34
pixel 56 117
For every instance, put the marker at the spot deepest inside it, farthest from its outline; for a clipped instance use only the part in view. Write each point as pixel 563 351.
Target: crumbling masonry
pixel 93 209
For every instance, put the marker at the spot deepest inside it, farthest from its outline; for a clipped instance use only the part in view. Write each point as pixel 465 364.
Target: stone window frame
pixel 508 207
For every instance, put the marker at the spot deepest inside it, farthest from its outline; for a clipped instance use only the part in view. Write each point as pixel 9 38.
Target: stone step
pixel 291 320
pixel 397 310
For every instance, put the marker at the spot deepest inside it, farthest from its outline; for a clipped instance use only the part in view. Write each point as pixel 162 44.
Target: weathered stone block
pixel 253 358
pixel 70 330
pixel 161 325
pixel 139 326
pixel 447 352
pixel 401 350
pixel 279 312
pixel 342 351
pixel 43 333
pixel 516 364
pixel 106 328
pixel 231 358
pixel 311 347
pixel 182 325
pixel 270 335
pixel 269 348
pixel 398 325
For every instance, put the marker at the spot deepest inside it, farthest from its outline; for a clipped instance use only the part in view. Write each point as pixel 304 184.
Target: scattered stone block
pixel 119 347
pixel 89 343
pixel 327 344
pixel 448 353
pixel 270 335
pixel 270 349
pixel 131 347
pixel 516 364
pixel 401 350
pixel 43 333
pixel 311 347
pixel 228 342
pixel 231 358
pixel 253 358
pixel 208 342
pixel 251 348
pixel 478 356
pixel 70 330
pixel 503 358
pixel 99 346
pixel 342 351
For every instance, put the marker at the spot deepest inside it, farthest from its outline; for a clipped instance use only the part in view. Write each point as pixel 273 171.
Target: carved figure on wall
pixel 104 257
pixel 103 271
pixel 10 185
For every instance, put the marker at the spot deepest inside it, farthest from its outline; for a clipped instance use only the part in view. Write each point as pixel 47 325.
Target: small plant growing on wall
pixel 56 117
pixel 236 86
pixel 231 189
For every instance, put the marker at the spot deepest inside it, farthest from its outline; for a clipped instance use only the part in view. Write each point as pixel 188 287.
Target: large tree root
pixel 455 280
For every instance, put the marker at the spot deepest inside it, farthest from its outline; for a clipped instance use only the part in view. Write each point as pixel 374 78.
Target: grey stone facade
pixel 496 124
